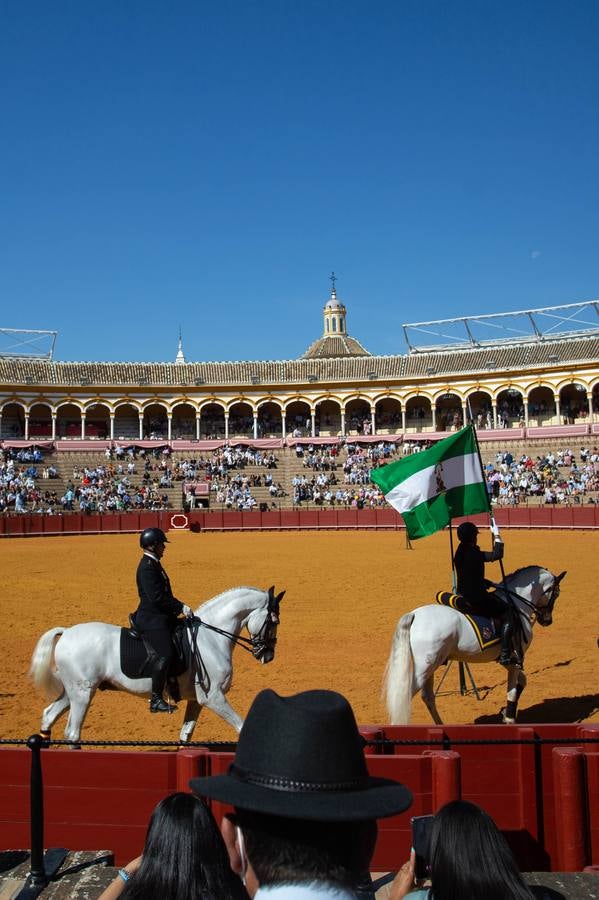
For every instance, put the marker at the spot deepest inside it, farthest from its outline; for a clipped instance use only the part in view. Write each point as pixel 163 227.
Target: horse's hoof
pixel 74 746
pixel 504 718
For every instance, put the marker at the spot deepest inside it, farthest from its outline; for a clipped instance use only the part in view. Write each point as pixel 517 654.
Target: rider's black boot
pixel 505 657
pixel 159 671
pixel 508 655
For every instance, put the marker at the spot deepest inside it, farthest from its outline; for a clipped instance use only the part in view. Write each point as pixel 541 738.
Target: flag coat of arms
pixel 434 486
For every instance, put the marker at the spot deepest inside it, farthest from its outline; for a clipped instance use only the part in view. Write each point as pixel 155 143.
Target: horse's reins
pixel 512 595
pixel 252 645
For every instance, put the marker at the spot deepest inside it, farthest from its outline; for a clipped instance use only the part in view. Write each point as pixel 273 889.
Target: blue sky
pixel 209 164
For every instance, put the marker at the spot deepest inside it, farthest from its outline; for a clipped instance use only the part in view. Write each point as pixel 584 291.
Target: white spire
pixel 180 358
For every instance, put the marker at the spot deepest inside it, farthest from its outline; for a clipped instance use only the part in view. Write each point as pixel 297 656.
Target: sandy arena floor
pixel 345 592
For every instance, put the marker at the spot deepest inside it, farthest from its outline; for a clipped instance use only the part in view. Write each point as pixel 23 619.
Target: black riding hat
pixel 302 757
pixel 152 536
pixel 466 531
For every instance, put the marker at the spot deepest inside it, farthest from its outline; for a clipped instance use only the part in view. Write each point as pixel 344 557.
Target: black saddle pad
pixel 136 661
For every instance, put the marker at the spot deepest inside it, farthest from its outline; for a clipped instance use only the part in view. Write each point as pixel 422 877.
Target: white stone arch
pixel 299 415
pixel 10 400
pixel 479 403
pixel 39 411
pixel 98 415
pixel 418 412
pixel 212 422
pixel 241 417
pixel 329 416
pixel 389 413
pixel 573 379
pixel 448 406
pixel 269 417
pixel 12 419
pixel 594 399
pixel 184 417
pixel 574 401
pixel 126 423
pixel 510 405
pixel 358 410
pixel 69 418
pixel 543 404
pixel 156 419
pixel 509 386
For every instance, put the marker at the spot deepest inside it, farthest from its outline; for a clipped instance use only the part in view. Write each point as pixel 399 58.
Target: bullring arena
pixel 268 462
pixel 345 593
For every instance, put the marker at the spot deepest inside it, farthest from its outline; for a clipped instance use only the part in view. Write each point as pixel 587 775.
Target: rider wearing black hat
pixel 157 612
pixel 469 561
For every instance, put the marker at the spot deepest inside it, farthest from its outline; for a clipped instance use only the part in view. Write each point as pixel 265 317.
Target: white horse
pixel 431 635
pixel 69 664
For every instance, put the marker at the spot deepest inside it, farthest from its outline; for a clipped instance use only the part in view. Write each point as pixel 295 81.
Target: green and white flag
pixel 434 486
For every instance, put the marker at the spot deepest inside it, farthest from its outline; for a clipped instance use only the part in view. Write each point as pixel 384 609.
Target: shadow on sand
pixel 557 709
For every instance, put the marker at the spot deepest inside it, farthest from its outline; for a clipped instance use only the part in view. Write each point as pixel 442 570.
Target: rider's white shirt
pixel 303 892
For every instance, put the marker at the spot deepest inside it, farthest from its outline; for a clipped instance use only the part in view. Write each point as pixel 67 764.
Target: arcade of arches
pixel 274 418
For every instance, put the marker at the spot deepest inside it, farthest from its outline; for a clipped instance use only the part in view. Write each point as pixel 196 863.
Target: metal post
pixel 43 866
pixel 38 875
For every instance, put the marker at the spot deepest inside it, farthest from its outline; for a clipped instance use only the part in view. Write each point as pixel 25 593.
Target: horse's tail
pixel 397 681
pixel 42 665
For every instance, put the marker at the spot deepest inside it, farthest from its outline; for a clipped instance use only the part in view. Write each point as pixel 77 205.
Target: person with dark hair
pixel 304 825
pixel 468 858
pixel 184 857
pixel 469 561
pixel 157 612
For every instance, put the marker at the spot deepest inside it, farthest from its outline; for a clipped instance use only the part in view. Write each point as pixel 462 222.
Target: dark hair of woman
pixel 184 855
pixel 469 857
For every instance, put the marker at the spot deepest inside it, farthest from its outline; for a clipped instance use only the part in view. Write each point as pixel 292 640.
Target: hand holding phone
pixel 421 830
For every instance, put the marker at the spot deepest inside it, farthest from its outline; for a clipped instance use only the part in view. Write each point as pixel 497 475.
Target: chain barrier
pixel 379 742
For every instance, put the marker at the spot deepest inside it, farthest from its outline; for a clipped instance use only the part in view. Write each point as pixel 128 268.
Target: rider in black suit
pixel 469 561
pixel 157 612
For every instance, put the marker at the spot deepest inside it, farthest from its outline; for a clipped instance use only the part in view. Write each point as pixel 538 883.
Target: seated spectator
pixel 468 858
pixel 183 858
pixel 305 806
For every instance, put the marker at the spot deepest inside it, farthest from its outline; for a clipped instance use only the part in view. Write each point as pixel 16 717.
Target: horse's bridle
pixel 258 644
pixel 543 614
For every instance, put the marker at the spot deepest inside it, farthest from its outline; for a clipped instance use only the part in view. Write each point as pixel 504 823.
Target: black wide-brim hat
pixel 302 757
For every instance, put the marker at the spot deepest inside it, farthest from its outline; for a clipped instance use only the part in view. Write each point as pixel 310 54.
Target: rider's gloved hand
pixel 495 532
pixel 187 610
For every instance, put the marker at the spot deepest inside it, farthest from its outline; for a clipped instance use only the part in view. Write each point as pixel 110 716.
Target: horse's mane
pixel 208 604
pixel 521 569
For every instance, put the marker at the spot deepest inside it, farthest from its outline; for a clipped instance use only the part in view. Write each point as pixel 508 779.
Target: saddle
pixel 137 655
pixel 486 629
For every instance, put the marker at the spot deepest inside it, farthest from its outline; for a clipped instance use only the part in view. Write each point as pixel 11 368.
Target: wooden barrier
pixel 586 517
pixel 543 796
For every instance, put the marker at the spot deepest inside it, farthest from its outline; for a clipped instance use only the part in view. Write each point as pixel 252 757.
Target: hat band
pixel 278 783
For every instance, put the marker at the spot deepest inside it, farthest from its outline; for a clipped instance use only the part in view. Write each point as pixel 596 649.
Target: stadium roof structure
pixel 493 329
pixel 23 343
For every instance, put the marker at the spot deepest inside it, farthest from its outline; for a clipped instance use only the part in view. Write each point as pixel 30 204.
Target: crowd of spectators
pixel 553 478
pixel 19 488
pixel 109 488
pixel 353 487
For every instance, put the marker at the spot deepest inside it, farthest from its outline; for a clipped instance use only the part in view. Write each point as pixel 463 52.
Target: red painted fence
pixel 384 519
pixel 543 795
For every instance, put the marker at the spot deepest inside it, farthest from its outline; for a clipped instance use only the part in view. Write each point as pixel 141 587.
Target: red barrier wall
pixel 283 519
pixel 543 796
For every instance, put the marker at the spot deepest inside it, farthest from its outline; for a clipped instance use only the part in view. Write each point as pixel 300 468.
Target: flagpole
pixel 453 574
pixel 494 528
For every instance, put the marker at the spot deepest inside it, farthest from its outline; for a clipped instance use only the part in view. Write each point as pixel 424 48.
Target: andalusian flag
pixel 434 486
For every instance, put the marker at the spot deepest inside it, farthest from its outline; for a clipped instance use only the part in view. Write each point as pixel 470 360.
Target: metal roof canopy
pixel 23 343
pixel 528 325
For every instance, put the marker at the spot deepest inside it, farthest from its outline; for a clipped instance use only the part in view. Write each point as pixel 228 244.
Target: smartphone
pixel 421 836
